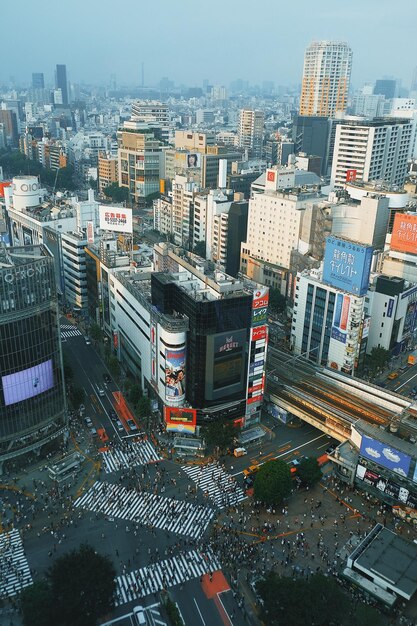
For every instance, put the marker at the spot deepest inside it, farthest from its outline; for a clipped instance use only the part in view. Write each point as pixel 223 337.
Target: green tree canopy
pixel 309 471
pixel 77 395
pixel 15 162
pixel 377 359
pixel 95 332
pixel 144 407
pixel 200 249
pixel 220 433
pixel 273 482
pixel 318 601
pixel 116 193
pixel 83 587
pixel 36 604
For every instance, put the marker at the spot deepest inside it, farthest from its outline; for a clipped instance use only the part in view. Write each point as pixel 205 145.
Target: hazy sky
pixel 189 40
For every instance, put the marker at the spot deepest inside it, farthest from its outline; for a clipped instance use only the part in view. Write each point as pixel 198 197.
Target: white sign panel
pixel 117 219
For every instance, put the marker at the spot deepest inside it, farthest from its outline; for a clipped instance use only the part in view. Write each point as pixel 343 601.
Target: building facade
pixel 326 78
pixel 251 131
pixel 32 395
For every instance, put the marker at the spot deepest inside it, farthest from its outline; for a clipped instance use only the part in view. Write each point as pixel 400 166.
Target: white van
pixel 139 613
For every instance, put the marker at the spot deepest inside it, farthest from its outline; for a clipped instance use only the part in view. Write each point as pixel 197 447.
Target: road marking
pixel 199 612
pixel 323 446
pixel 407 381
pixel 292 450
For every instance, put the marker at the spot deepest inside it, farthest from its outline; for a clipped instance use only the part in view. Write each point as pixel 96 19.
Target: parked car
pixel 139 613
pixel 87 340
pixel 393 375
pixel 88 422
pixel 119 425
pixel 101 391
pixel 132 425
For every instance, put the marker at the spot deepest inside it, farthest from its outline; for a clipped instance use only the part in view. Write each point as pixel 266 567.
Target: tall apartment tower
pixel 251 131
pixel 38 81
pixel 326 77
pixel 61 82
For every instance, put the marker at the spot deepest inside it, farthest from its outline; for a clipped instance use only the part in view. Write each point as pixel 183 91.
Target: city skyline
pixel 216 42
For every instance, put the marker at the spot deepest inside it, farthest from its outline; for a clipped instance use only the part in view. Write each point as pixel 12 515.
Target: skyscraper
pixel 251 131
pixel 61 82
pixel 38 81
pixel 386 87
pixel 326 77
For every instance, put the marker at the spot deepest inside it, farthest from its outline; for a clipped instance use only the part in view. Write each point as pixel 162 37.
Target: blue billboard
pixel 385 455
pixel 347 265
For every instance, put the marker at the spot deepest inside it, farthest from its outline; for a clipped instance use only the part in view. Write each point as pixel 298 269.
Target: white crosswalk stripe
pixel 68 330
pixel 164 574
pixel 219 486
pixel 177 516
pixel 136 453
pixel 14 569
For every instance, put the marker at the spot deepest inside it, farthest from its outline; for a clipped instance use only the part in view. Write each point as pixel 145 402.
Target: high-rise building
pixel 38 81
pixel 386 87
pixel 366 150
pixel 251 131
pixel 310 134
pixel 32 395
pixel 150 111
pixel 61 82
pixel 10 126
pixel 326 78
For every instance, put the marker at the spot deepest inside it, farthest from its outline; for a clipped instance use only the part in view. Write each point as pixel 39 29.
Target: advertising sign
pixel 259 333
pixel 340 318
pixel 180 420
pixel 385 455
pixel 350 175
pixel 410 318
pixel 27 383
pixel 415 474
pixel 390 307
pixel 404 233
pixel 347 265
pixel 90 232
pixel 193 159
pixel 117 219
pixel 175 374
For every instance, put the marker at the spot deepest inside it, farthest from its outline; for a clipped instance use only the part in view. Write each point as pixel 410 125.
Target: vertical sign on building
pixel 90 232
pixel 257 351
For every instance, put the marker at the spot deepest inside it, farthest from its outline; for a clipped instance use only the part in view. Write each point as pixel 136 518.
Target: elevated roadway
pixel 332 401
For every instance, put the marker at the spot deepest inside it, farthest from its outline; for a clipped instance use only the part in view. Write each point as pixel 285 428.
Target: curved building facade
pixel 32 394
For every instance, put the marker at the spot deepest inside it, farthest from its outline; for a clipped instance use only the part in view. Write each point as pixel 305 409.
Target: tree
pixel 83 587
pixel 318 601
pixel 135 393
pixel 113 365
pixel 273 482
pixel 309 471
pixel 95 332
pixel 36 604
pixel 377 359
pixel 144 407
pixel 277 302
pixel 220 433
pixel 116 193
pixel 200 249
pixel 68 371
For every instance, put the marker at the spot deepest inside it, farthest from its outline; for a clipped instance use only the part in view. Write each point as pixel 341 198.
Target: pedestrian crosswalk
pixel 177 516
pixel 216 484
pixel 69 330
pixel 14 569
pixel 164 574
pixel 135 453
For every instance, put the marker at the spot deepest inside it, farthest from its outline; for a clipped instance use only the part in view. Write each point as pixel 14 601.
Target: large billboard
pixel 385 455
pixel 27 383
pixel 193 159
pixel 260 306
pixel 175 374
pixel 404 233
pixel 117 219
pixel 340 318
pixel 347 265
pixel 180 420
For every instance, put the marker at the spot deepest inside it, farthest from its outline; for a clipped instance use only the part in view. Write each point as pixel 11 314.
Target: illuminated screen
pixel 27 383
pixel 227 372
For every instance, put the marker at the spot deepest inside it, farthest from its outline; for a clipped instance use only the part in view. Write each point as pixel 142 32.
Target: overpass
pixel 332 401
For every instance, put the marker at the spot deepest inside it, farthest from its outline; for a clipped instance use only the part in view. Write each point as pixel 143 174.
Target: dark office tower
pixel 386 87
pixel 310 134
pixel 32 394
pixel 38 81
pixel 61 82
pixel 236 233
pixel 10 129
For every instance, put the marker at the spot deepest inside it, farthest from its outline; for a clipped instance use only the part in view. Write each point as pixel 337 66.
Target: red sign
pixel 350 175
pixel 115 339
pixel 270 175
pixel 4 184
pixel 258 333
pixel 404 233
pixel 345 313
pixel 256 388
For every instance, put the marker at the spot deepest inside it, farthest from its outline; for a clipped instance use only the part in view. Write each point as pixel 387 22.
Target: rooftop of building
pixel 395 440
pixel 387 556
pixel 21 255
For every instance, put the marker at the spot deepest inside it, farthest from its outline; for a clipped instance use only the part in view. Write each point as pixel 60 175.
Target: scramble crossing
pixel 133 454
pixel 14 569
pixel 177 516
pixel 68 330
pixel 216 484
pixel 163 574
